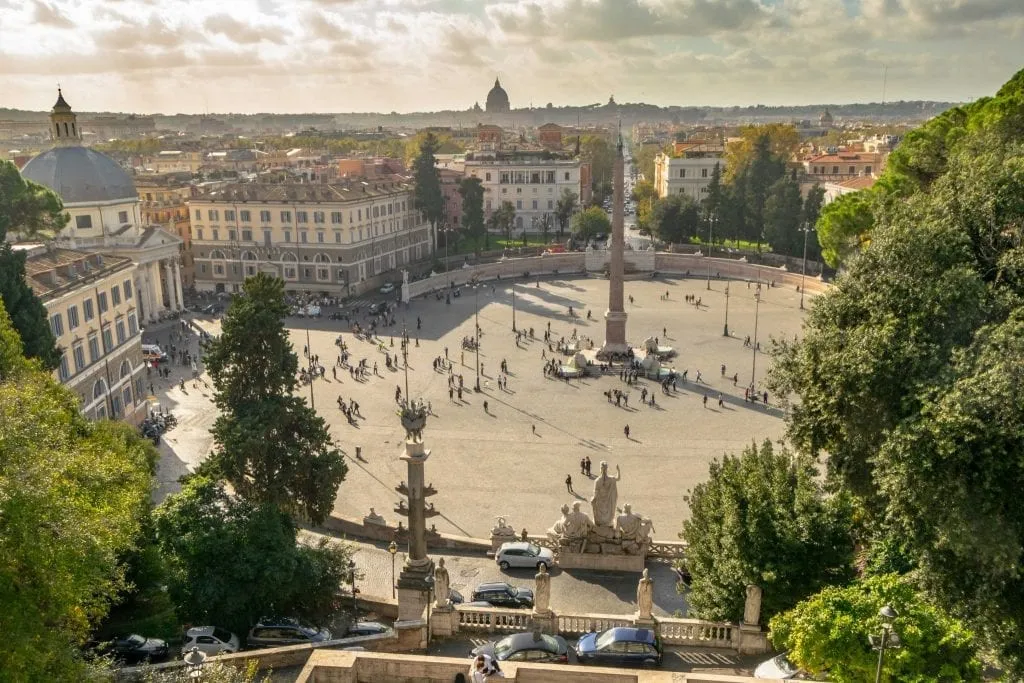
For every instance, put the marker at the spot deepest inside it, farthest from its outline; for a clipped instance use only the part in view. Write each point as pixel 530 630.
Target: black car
pixel 503 595
pixel 620 646
pixel 366 628
pixel 527 647
pixel 136 649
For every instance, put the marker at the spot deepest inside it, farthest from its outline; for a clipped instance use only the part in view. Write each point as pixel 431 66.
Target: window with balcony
pixel 121 336
pixel 264 216
pixel 83 222
pixel 286 216
pixel 318 216
pixel 133 324
pixel 247 235
pixel 101 298
pixel 245 215
pixel 78 352
pixel 87 310
pixel 62 370
pixel 303 237
pixel 301 217
pixel 94 348
pixel 115 295
pixel 216 235
pixel 108 339
pixel 229 214
pixel 199 233
pixel 505 177
pixel 337 236
pixel 232 235
pixel 336 218
pixel 213 214
pixel 72 317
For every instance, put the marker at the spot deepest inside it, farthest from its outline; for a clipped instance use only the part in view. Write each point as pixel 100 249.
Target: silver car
pixel 523 554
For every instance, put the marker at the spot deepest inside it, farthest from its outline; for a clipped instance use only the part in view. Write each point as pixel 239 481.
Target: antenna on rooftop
pixel 885 76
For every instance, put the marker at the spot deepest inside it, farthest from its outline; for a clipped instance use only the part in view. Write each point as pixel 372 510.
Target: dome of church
pixel 497 99
pixel 79 174
pixel 76 173
pixel 825 119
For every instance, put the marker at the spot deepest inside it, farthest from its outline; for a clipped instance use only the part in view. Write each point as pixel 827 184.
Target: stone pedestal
pixel 444 622
pixel 752 640
pixel 545 622
pixel 412 635
pixel 640 622
pixel 602 562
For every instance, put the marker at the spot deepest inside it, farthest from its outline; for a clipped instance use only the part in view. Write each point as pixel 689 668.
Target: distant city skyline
pixel 298 56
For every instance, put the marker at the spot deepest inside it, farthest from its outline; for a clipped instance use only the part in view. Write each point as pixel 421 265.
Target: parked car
pixel 523 554
pixel 778 667
pixel 153 353
pixel 366 628
pixel 136 649
pixel 620 646
pixel 378 308
pixel 527 647
pixel 276 632
pixel 211 640
pixel 387 288
pixel 503 595
pixel 213 309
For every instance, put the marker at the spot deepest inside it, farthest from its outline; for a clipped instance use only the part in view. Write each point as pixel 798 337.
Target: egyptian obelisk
pixel 615 346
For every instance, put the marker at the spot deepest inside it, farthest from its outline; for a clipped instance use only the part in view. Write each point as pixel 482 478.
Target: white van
pixel 153 353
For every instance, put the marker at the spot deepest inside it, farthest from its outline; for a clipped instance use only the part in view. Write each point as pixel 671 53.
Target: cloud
pixel 241 33
pixel 47 15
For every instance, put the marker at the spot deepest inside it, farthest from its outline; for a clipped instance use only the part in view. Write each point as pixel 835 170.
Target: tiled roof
pixel 307 192
pixel 59 268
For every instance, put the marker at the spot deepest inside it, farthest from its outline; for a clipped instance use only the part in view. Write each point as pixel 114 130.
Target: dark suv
pixel 276 632
pixel 503 595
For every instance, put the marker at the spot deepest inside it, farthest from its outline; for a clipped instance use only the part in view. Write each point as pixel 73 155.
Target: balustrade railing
pixel 494 619
pixel 697 633
pixel 578 624
pixel 670 550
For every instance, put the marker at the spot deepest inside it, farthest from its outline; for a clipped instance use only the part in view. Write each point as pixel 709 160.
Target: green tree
pixel 715 198
pixel 829 633
pixel 644 160
pixel 590 222
pixel 675 218
pixel 270 445
pixel 232 560
pixel 72 494
pixel 29 211
pixel 844 226
pixel 601 154
pixel 762 518
pixel 781 140
pixel 429 198
pixel 809 218
pixel 782 213
pixel 644 196
pixel 504 219
pixel 564 208
pixel 763 170
pixel 733 215
pixel 472 192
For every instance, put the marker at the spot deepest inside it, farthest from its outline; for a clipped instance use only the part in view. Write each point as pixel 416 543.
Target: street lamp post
pixel 476 332
pixel 711 221
pixel 429 580
pixel 757 312
pixel 888 639
pixel 309 363
pixel 513 305
pixel 393 549
pixel 352 578
pixel 725 333
pixel 803 274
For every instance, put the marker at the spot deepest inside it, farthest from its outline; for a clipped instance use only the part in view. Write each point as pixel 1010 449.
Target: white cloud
pixel 406 55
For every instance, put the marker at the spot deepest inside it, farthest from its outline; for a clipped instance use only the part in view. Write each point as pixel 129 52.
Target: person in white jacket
pixel 485 668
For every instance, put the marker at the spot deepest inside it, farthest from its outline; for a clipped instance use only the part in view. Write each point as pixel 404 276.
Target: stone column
pixel 146 288
pixel 615 317
pixel 157 287
pixel 169 279
pixel 177 284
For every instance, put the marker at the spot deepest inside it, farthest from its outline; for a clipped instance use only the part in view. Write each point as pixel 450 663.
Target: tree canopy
pixel 762 518
pixel 590 222
pixel 601 154
pixel 472 192
pixel 564 208
pixel 675 218
pixel 232 560
pixel 829 633
pixel 908 376
pixel 429 198
pixel 779 140
pixel 270 445
pixel 72 494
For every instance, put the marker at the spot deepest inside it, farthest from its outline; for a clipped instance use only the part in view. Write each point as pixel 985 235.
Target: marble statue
pixel 503 529
pixel 374 518
pixel 645 596
pixel 628 524
pixel 577 523
pixel 752 606
pixel 542 591
pixel 441 585
pixel 557 530
pixel 606 494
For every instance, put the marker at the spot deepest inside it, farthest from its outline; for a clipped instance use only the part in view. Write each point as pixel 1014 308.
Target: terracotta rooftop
pixel 48 271
pixel 858 183
pixel 344 191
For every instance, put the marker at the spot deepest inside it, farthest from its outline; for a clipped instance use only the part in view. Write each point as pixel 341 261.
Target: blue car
pixel 620 647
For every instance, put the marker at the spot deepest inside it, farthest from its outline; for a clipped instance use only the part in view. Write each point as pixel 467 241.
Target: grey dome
pixel 79 174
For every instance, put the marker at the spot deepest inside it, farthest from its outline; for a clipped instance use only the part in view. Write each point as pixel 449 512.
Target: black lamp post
pixel 476 332
pixel 888 639
pixel 711 222
pixel 513 305
pixel 352 578
pixel 393 549
pixel 757 312
pixel 726 332
pixel 803 274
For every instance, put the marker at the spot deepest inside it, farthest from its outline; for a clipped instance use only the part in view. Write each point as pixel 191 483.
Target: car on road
pixel 378 308
pixel 136 649
pixel 276 632
pixel 366 628
pixel 527 647
pixel 503 595
pixel 387 288
pixel 620 647
pixel 523 554
pixel 210 639
pixel 153 353
pixel 777 668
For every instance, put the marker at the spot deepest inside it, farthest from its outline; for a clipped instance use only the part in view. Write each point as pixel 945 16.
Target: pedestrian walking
pixel 705 400
pixel 583 466
pixel 625 431
pixel 721 402
pixel 485 407
pixel 568 483
pixel 588 465
pixel 534 428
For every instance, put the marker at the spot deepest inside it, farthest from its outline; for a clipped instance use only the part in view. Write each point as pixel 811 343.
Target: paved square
pixel 486 464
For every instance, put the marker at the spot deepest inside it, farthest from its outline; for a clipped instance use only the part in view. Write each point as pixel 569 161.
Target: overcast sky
pixel 188 56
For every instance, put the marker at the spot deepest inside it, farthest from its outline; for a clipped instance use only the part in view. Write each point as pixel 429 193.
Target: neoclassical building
pixel 105 217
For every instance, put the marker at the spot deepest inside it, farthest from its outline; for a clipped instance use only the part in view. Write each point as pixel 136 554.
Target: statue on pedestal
pixel 374 518
pixel 606 494
pixel 542 591
pixel 752 606
pixel 633 531
pixel 557 530
pixel 503 530
pixel 577 526
pixel 441 585
pixel 645 596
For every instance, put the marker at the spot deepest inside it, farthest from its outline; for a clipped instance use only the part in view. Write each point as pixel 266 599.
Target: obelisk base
pixel 615 346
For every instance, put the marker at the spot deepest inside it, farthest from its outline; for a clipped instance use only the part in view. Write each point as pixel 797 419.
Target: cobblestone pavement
pixel 490 463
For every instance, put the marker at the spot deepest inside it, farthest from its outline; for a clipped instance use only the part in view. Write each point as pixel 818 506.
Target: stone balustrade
pixel 579 624
pixel 697 633
pixel 491 619
pixel 669 550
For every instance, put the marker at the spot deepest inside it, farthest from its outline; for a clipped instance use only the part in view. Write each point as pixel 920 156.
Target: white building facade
pixel 532 186
pixel 339 239
pixel 688 175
